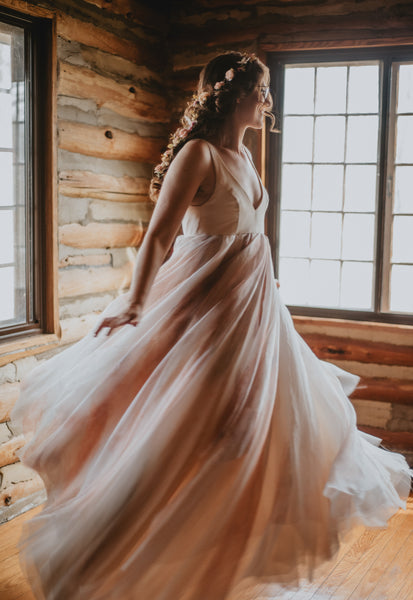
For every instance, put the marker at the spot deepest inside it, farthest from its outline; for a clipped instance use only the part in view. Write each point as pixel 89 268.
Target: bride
pixel 193 441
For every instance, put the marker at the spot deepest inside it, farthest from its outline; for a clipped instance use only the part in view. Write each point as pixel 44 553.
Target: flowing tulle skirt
pixel 205 446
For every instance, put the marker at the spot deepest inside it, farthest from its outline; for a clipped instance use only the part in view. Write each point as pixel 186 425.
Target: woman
pixel 207 445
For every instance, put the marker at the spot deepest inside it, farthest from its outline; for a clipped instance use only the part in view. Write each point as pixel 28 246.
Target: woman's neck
pixel 230 137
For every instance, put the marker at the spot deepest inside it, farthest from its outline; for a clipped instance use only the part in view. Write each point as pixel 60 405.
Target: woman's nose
pixel 268 100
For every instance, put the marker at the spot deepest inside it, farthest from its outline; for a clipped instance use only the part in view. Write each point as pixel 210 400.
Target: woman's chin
pixel 258 123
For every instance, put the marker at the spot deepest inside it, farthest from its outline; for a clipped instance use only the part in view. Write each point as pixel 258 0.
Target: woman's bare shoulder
pixel 198 147
pixel 194 156
pixel 189 167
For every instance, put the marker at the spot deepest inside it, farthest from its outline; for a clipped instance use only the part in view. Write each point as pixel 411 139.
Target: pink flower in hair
pixel 219 85
pixel 229 75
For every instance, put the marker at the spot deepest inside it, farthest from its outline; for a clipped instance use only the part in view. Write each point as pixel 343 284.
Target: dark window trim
pixel 273 148
pixel 38 168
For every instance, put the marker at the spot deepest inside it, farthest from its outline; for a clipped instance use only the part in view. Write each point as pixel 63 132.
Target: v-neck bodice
pixel 229 210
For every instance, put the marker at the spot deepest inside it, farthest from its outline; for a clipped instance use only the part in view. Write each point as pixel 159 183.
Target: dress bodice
pixel 229 210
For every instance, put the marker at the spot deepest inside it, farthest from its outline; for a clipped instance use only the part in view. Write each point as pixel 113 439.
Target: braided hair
pixel 222 81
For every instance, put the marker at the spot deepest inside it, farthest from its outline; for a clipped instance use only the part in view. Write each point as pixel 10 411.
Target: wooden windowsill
pixel 368 330
pixel 27 345
pixel 348 323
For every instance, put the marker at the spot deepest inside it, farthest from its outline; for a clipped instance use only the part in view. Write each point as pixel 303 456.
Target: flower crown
pixel 230 74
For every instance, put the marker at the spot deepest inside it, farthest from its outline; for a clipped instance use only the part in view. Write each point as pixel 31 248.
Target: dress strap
pixel 215 167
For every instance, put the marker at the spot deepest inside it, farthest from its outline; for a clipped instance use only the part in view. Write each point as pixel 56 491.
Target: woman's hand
pixel 130 315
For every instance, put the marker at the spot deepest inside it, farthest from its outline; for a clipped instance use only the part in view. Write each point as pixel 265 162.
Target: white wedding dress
pixel 203 447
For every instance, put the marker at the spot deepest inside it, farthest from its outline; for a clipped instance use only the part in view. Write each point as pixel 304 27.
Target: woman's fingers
pixel 102 325
pixel 118 321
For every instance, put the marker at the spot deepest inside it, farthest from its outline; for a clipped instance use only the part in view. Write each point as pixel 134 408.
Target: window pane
pixel 328 187
pixel 342 233
pixel 402 239
pixel 403 189
pixel 6 120
pixel 296 187
pixel 363 89
pixel 324 282
pixel 7 293
pixel 299 90
pixel 294 278
pixel 12 172
pixel 356 285
pixel 6 167
pixel 358 237
pixel 5 66
pixel 6 236
pixel 295 234
pixel 401 288
pixel 405 87
pixel 360 188
pixel 326 235
pixel 404 140
pixel 362 139
pixel 331 90
pixel 297 139
pixel 329 139
pixel 401 284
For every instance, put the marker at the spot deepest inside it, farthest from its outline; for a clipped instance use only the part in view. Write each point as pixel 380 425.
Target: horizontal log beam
pixel 398 391
pixel 396 440
pixel 374 369
pixel 287 29
pixel 201 9
pixel 138 12
pixel 124 99
pixel 89 260
pixel 28 8
pixel 86 184
pixel 88 34
pixel 8 449
pixel 364 351
pixel 108 142
pixel 16 491
pixel 118 67
pixel 9 393
pixel 368 330
pixel 78 282
pixel 372 413
pixel 101 235
pixel 74 328
pixel 274 44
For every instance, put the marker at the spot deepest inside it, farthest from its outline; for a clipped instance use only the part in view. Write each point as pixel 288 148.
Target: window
pixel 23 160
pixel 342 175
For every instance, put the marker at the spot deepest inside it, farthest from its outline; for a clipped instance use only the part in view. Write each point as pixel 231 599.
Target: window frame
pixel 40 194
pixel 273 153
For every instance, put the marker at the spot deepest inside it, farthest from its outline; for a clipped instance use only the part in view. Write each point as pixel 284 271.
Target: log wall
pixel 112 122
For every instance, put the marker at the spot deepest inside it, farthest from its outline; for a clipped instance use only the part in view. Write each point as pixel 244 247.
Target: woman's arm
pixel 183 178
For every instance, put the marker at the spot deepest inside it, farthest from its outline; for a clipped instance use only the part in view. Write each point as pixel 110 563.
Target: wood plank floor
pixel 376 565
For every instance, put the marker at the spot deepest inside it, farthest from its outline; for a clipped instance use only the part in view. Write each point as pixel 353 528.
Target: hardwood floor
pixel 376 565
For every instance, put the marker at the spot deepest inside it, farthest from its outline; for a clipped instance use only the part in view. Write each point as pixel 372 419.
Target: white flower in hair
pixel 229 75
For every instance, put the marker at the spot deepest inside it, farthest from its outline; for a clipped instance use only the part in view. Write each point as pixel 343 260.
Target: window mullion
pixel 30 225
pixel 385 191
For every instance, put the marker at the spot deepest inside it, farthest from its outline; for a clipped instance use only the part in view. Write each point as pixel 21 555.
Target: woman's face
pixel 250 108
